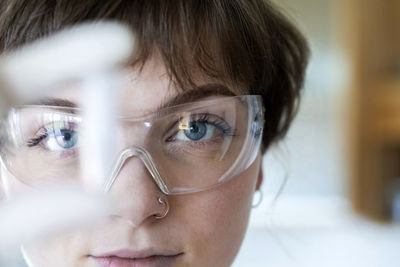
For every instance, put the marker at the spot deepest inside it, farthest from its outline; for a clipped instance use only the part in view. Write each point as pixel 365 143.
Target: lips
pixel 130 258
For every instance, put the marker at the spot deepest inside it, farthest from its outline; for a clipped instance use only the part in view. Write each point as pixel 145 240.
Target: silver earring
pixel 258 198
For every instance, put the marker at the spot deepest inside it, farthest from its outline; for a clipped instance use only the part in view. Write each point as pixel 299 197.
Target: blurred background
pixel 332 188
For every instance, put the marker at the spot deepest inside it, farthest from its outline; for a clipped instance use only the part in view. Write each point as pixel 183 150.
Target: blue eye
pixel 62 139
pixel 201 128
pixel 196 130
pixel 58 135
pixel 66 138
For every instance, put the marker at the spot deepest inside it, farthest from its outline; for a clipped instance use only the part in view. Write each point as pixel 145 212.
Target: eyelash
pixel 215 121
pixel 206 118
pixel 37 140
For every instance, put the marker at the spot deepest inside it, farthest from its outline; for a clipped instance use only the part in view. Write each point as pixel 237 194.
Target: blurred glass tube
pixel 92 54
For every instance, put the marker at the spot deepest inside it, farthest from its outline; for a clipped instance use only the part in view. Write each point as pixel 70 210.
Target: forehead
pixel 144 91
pixel 140 91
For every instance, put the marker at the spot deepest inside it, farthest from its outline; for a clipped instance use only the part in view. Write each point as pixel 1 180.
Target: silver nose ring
pixel 163 201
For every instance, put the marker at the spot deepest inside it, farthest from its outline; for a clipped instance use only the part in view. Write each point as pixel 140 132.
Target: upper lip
pixel 137 254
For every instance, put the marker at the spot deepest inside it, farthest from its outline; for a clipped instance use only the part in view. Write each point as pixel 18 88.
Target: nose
pixel 137 193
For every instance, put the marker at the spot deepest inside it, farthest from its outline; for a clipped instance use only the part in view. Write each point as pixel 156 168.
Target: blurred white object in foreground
pixel 69 55
pixel 93 55
pixel 37 214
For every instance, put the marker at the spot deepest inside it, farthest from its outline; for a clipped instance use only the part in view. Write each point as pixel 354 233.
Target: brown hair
pixel 243 42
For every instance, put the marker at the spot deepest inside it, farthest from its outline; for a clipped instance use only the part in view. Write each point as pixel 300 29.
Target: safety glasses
pixel 186 148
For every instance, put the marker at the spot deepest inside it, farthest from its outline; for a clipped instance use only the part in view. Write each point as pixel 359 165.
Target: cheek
pixel 217 219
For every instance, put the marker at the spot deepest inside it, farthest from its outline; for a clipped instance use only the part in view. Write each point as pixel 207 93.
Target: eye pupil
pixel 66 138
pixel 196 130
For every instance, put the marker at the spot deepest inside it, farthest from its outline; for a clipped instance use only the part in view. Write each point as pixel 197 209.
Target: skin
pixel 207 227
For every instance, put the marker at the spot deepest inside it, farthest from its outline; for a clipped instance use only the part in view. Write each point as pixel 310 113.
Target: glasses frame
pixel 245 158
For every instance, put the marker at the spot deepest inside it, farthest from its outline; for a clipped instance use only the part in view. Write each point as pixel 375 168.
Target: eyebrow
pixel 187 96
pixel 197 93
pixel 55 102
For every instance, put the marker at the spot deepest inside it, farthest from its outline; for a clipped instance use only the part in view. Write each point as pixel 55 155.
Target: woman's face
pixel 201 229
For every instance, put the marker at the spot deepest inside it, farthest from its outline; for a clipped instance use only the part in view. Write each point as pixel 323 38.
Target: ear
pixel 260 177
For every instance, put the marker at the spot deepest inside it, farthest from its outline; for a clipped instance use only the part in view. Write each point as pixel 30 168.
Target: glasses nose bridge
pixel 147 160
pixel 132 133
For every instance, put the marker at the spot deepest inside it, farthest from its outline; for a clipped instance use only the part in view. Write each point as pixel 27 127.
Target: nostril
pixel 134 218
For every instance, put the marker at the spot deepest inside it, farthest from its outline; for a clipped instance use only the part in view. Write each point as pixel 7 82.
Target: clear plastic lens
pixel 186 148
